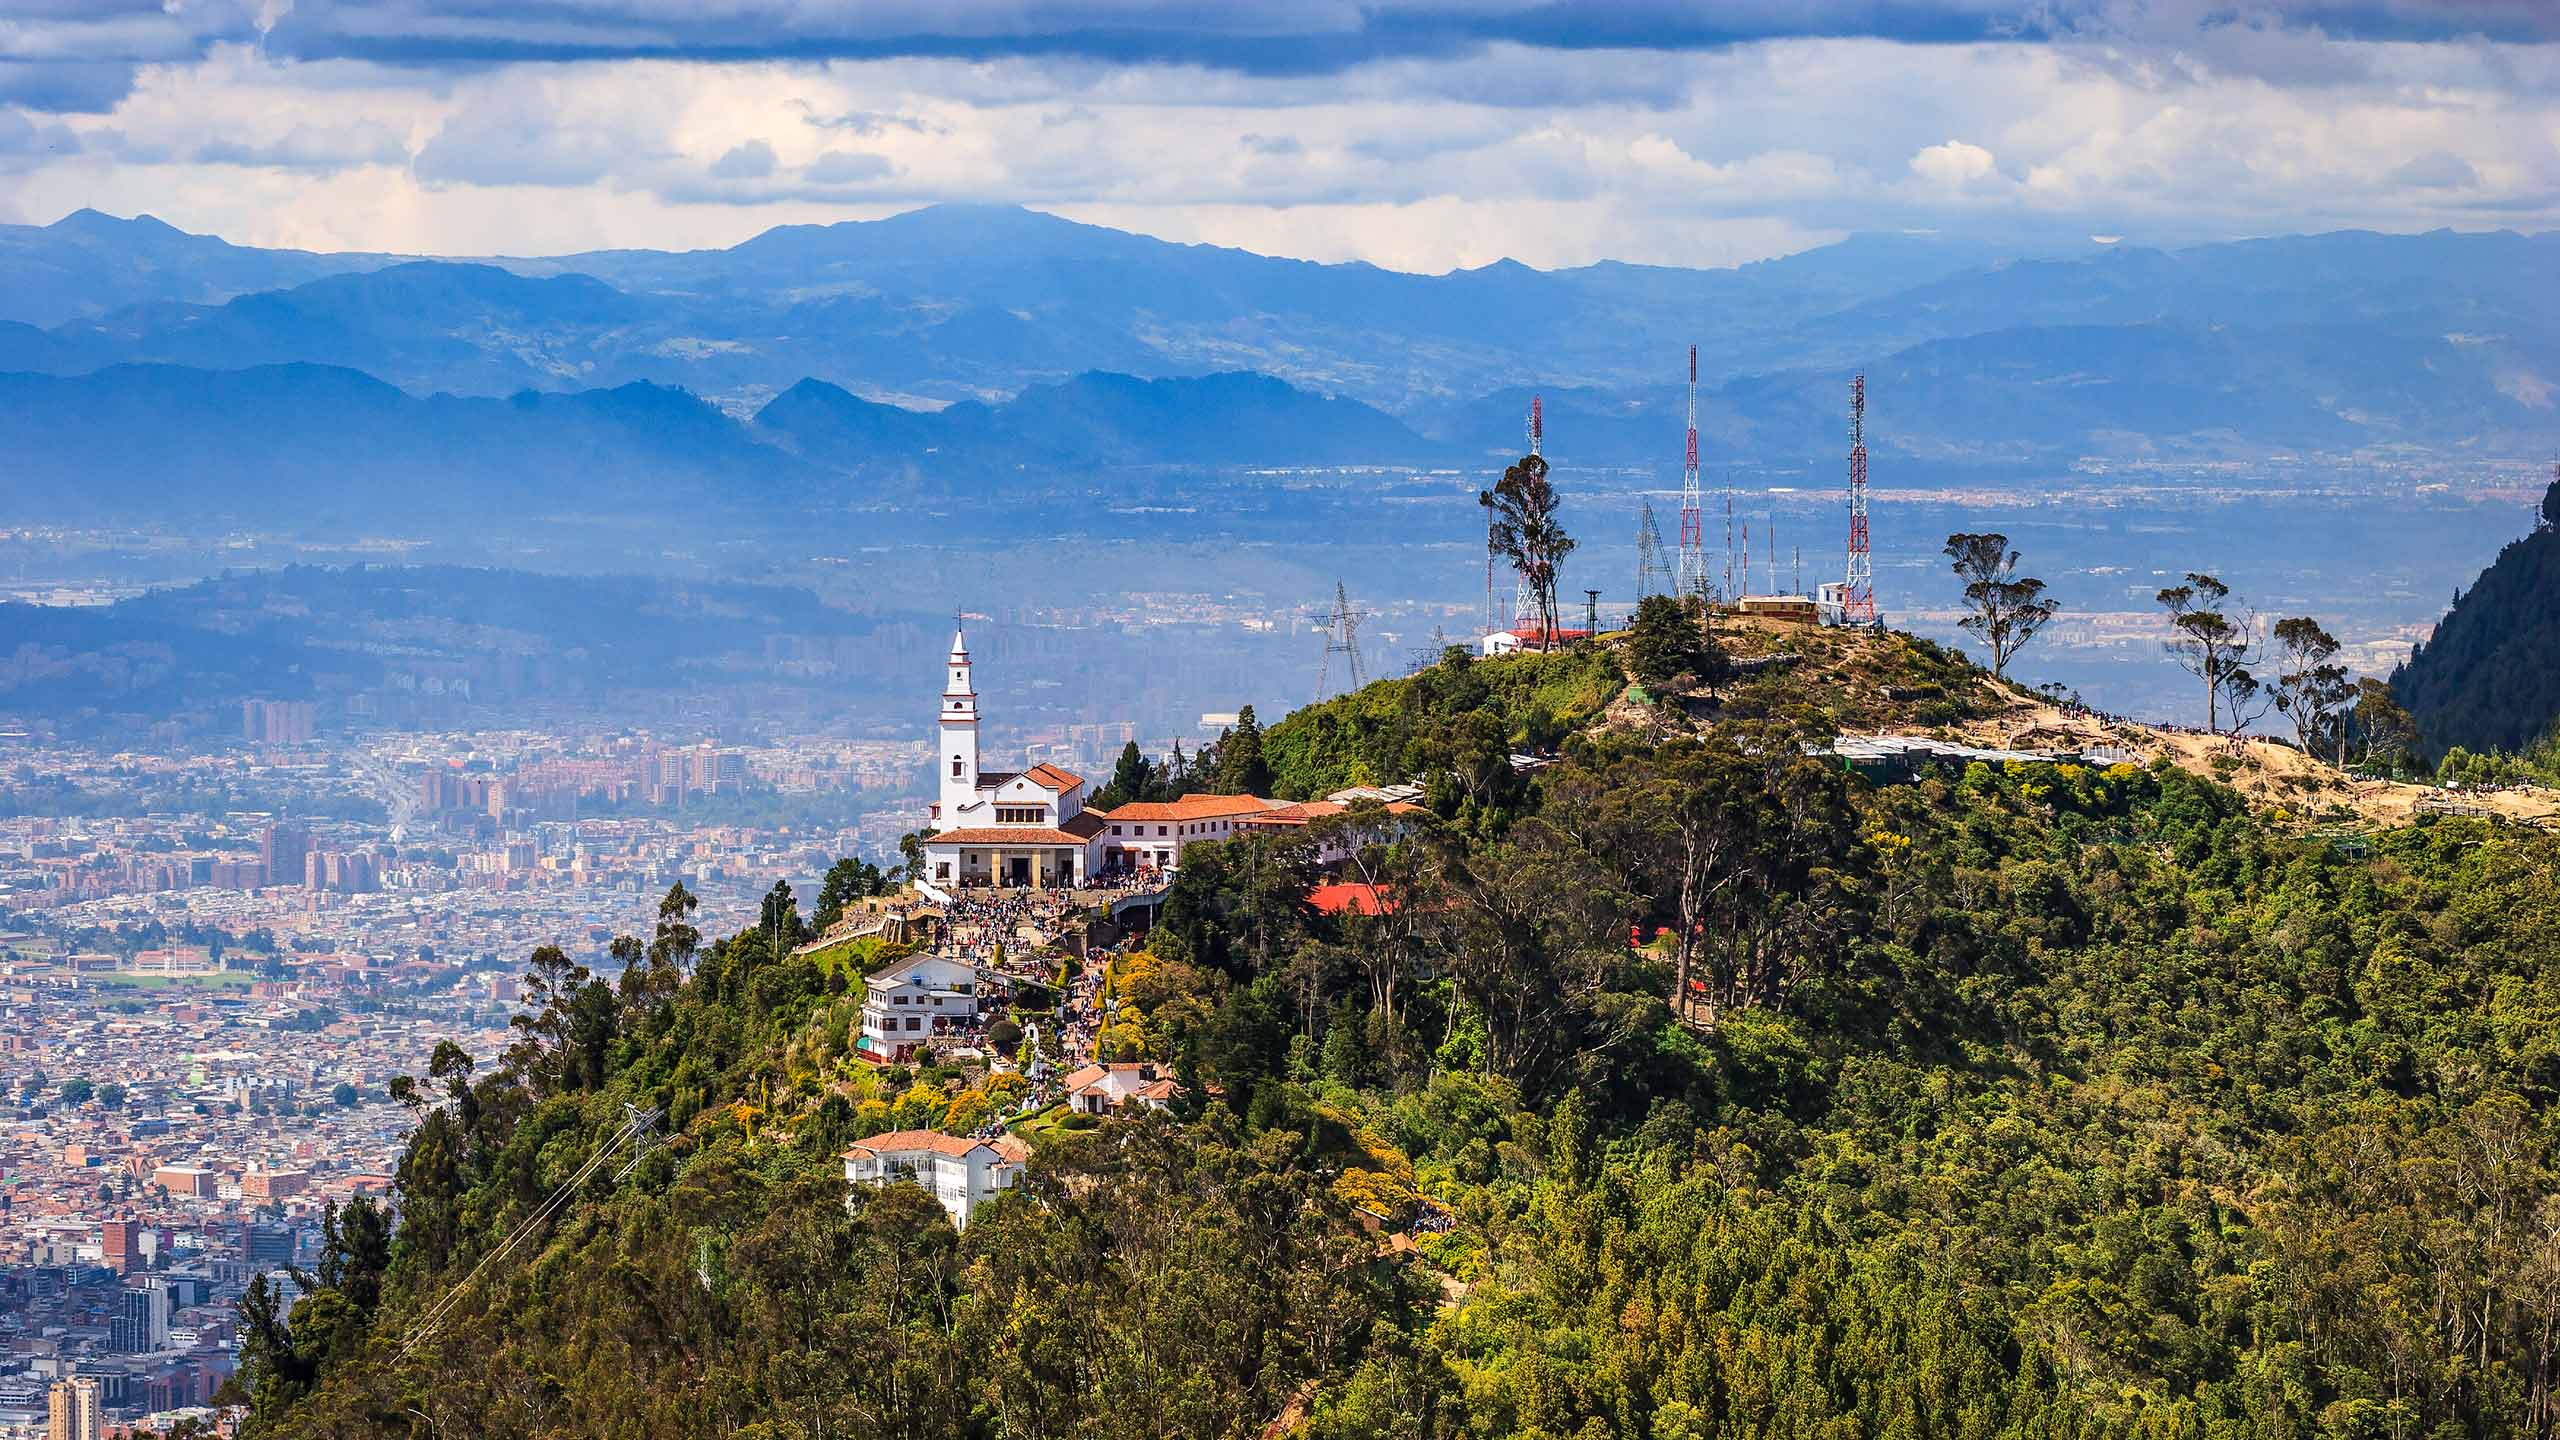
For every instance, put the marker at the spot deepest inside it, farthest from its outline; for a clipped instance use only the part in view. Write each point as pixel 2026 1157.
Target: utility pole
pixel 1730 594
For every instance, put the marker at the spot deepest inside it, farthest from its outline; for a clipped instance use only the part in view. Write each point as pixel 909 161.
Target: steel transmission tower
pixel 1858 593
pixel 1341 637
pixel 1653 571
pixel 1693 523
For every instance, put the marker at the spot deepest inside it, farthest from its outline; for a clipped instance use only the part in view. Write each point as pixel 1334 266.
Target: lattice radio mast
pixel 1653 572
pixel 1730 594
pixel 1858 592
pixel 1693 525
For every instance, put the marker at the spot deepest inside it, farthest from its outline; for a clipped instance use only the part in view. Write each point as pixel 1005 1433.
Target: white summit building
pixel 996 827
pixel 1031 828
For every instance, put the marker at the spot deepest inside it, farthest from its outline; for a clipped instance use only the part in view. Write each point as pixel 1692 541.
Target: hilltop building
pixel 1032 828
pixel 1000 827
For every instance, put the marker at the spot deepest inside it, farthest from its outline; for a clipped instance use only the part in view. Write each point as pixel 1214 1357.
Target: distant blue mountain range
pixel 332 445
pixel 156 367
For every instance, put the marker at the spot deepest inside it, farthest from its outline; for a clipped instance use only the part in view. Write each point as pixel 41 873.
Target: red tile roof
pixel 1353 898
pixel 896 1141
pixel 1300 813
pixel 1307 810
pixel 1058 781
pixel 1193 807
pixel 1005 835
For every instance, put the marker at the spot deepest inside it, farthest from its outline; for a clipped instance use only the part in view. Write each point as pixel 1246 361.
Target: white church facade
pixel 1004 828
pixel 1032 828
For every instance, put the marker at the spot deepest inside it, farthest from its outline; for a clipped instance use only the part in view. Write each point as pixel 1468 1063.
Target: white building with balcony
pixel 961 1172
pixel 909 1002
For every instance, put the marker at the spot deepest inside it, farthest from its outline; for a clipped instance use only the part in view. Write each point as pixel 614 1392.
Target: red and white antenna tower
pixel 1858 594
pixel 1537 422
pixel 1693 520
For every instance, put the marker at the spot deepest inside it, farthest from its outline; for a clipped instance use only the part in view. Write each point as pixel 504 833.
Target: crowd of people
pixel 978 921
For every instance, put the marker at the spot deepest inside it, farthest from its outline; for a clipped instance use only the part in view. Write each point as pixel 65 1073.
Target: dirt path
pixel 2272 776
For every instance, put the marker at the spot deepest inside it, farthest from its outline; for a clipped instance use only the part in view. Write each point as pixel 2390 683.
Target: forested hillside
pixel 2489 678
pixel 2046 1101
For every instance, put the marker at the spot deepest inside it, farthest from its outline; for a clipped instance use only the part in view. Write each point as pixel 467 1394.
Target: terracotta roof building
pixel 962 1172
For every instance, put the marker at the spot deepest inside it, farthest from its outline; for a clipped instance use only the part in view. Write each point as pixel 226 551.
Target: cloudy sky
pixel 1419 134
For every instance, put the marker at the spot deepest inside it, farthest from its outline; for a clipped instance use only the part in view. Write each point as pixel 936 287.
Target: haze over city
pixel 624 625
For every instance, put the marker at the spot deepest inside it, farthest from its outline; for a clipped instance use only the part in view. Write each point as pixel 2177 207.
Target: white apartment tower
pixel 958 764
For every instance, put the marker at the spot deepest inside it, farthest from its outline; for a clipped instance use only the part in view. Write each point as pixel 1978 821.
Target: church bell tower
pixel 957 764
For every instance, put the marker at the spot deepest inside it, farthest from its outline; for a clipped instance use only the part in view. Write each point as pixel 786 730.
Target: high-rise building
pixel 276 722
pixel 281 850
pixel 141 1321
pixel 120 1243
pixel 72 1410
pixel 265 1245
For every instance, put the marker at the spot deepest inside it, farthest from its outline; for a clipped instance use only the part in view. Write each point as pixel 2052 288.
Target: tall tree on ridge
pixel 2312 687
pixel 2210 645
pixel 1527 534
pixel 2006 608
pixel 1241 768
pixel 1131 779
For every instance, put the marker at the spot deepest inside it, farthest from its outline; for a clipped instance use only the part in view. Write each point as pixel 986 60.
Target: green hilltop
pixel 2032 1100
pixel 2488 679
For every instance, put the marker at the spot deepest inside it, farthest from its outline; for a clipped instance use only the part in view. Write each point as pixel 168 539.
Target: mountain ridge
pixel 2488 677
pixel 2327 342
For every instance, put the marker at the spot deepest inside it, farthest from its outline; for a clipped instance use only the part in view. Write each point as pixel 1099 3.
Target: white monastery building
pixel 1032 828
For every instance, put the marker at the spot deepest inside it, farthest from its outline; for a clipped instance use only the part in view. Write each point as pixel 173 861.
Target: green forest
pixel 2488 678
pixel 1690 1087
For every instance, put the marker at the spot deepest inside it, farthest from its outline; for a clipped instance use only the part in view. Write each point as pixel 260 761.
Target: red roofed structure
pixel 1351 898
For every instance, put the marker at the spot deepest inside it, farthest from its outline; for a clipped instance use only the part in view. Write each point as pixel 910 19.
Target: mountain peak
pixel 86 221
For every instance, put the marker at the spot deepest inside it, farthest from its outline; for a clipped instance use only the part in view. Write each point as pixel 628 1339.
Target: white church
pixel 996 827
pixel 1032 828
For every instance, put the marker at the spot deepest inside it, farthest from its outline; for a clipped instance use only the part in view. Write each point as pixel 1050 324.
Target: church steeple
pixel 956 767
pixel 960 695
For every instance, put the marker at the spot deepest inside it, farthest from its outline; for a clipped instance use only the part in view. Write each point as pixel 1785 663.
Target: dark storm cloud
pixel 1267 37
pixel 82 55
